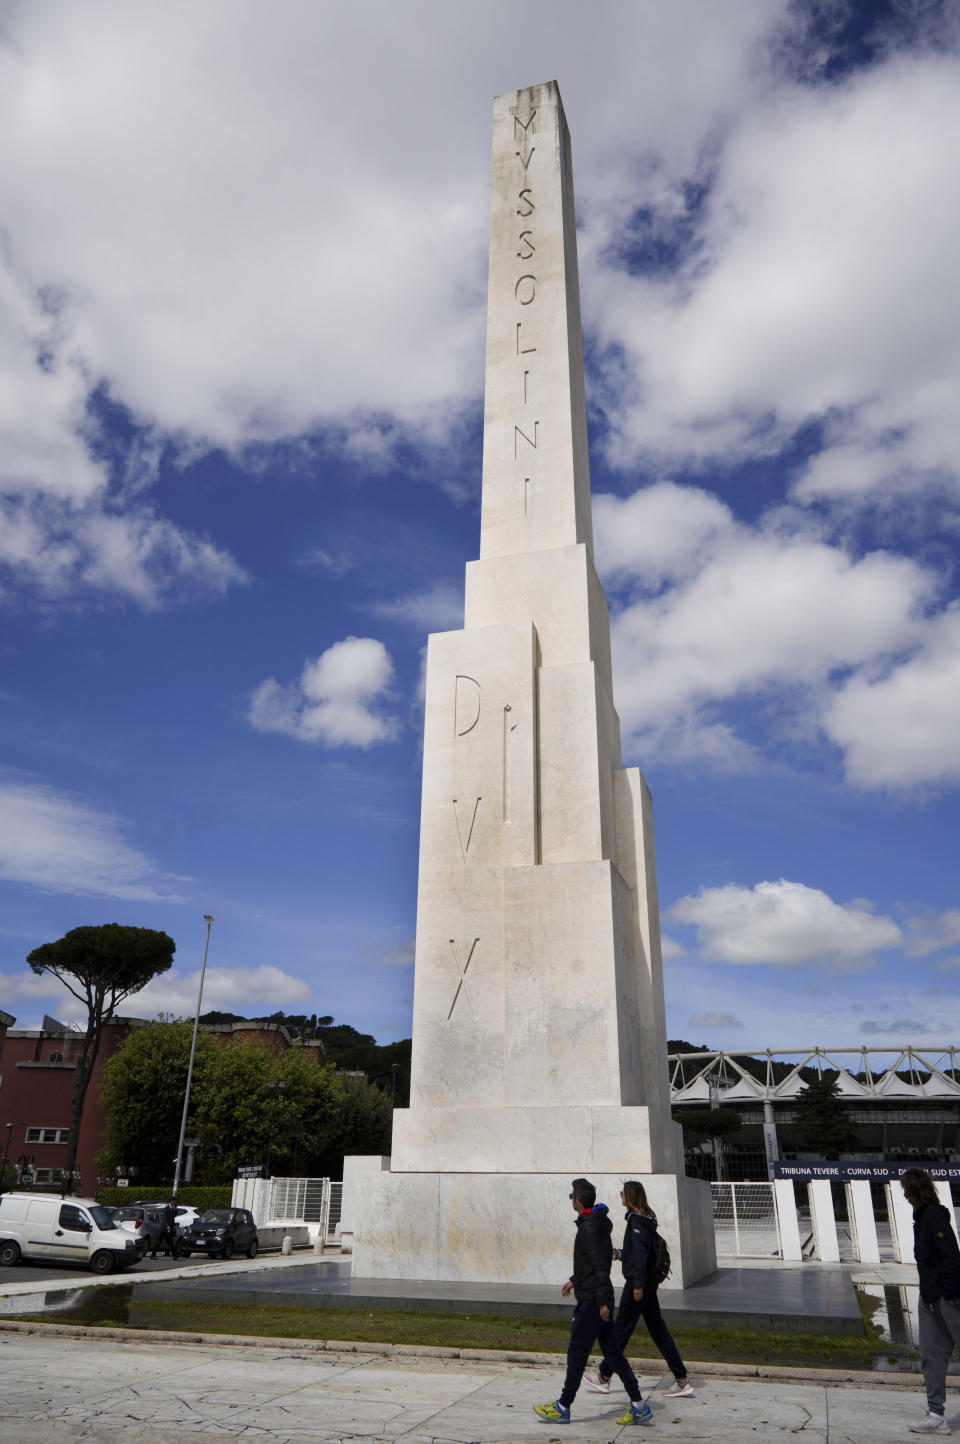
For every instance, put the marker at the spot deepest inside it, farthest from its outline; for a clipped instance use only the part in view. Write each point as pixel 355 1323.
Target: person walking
pixel 639 1297
pixel 592 1317
pixel 937 1254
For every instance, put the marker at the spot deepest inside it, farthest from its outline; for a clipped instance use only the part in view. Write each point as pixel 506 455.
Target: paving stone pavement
pixel 60 1388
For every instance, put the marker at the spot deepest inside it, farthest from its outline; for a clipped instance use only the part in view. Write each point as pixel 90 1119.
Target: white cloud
pixel 437 609
pixel 727 611
pixel 64 845
pixel 822 285
pixel 898 725
pixel 399 956
pixel 661 533
pixel 243 226
pixel 224 989
pixel 715 1019
pixel 930 933
pixel 783 924
pixel 902 1029
pixel 670 948
pixel 337 700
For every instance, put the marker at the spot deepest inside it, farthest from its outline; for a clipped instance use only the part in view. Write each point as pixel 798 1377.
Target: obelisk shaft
pixel 536 476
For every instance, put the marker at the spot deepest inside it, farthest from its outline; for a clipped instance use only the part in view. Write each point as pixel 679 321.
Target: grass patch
pixel 457 1331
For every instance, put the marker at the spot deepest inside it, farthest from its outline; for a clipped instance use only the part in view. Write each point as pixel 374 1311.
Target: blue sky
pixel 242 271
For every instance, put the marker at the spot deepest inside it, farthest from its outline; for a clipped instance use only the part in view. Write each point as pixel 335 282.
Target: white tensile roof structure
pixel 898 1072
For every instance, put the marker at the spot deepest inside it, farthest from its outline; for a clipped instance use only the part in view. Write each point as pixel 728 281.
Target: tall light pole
pixel 193 1048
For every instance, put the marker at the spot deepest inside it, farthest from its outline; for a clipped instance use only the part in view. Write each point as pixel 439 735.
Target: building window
pixel 55 1058
pixel 48 1135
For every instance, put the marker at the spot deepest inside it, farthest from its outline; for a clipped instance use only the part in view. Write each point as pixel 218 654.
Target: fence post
pixel 787 1221
pixel 325 1209
pixel 863 1225
pixel 824 1220
pixel 901 1222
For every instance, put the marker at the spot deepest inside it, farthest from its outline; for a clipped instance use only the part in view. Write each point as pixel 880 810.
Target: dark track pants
pixel 939 1336
pixel 629 1313
pixel 585 1328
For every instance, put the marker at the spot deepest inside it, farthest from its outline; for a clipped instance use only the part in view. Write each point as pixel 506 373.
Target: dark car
pixel 221 1232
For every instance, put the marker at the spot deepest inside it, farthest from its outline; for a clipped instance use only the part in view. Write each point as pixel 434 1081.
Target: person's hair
pixel 635 1197
pixel 584 1190
pixel 918 1187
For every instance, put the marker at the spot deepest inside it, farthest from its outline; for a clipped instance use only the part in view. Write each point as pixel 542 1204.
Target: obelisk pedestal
pixel 539 1044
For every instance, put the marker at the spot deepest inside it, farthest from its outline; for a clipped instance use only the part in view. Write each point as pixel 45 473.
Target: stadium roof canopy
pixel 761 1075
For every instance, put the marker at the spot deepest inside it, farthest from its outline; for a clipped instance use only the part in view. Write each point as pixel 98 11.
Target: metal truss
pixel 899 1072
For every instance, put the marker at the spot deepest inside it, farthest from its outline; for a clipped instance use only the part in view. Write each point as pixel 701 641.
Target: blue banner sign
pixel 872 1172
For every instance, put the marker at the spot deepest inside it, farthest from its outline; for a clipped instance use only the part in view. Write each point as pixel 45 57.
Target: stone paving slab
pixel 62 1389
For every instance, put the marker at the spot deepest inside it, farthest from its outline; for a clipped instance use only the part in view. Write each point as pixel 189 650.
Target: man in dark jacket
pixel 938 1264
pixel 592 1317
pixel 167 1237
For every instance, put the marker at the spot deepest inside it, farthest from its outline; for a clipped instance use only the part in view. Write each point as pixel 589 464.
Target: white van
pixel 63 1230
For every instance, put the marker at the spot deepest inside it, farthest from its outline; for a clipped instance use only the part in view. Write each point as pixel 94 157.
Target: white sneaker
pixel 595 1381
pixel 931 1424
pixel 678 1390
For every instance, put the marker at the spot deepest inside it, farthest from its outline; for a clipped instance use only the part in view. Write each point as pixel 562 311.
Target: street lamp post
pixel 6 1155
pixel 193 1048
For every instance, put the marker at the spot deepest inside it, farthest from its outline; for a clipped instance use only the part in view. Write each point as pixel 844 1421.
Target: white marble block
pixel 539 1042
pixel 515 1228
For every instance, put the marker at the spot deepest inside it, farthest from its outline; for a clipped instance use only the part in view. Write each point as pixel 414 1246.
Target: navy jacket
pixel 637 1248
pixel 936 1252
pixel 592 1257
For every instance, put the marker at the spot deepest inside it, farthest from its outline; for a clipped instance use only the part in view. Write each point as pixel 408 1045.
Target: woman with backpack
pixel 642 1246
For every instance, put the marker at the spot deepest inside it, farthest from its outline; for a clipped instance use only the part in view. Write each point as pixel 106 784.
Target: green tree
pixel 823 1123
pixel 100 966
pixel 717 1124
pixel 379 1063
pixel 364 1125
pixel 257 1106
pixel 141 1092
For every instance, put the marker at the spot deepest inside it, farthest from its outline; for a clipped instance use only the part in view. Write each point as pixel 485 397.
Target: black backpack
pixel 658 1266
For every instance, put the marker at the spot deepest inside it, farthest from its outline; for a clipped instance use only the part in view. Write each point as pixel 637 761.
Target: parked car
pixel 64 1230
pixel 221 1232
pixel 142 1219
pixel 184 1215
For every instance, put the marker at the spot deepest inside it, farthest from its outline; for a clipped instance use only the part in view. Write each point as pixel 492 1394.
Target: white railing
pixel 745 1221
pixel 275 1201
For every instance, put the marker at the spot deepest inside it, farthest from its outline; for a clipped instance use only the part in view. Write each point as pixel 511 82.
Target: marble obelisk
pixel 539 1045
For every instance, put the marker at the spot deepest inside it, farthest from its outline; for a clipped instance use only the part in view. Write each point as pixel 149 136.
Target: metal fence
pixel 745 1220
pixel 308 1200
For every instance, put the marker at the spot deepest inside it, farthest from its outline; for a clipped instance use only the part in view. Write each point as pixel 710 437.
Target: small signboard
pixel 250 1170
pixel 123 1183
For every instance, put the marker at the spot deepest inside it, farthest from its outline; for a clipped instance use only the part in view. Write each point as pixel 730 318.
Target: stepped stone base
pixel 503 1228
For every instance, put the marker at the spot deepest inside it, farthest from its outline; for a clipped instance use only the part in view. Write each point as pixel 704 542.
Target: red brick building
pixel 36 1083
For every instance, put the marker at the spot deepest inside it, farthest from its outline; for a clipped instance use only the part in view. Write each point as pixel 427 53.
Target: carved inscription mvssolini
pixel 526 427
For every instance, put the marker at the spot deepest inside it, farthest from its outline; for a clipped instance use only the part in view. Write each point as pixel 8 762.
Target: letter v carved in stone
pixel 465 846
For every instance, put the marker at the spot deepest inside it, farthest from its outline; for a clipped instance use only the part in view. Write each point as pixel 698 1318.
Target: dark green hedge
pixel 211 1197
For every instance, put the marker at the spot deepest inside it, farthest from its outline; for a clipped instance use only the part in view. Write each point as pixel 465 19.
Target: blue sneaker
pixel 554 1413
pixel 639 1413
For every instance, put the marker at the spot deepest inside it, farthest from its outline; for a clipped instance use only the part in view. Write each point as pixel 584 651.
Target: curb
pixel 858 1378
